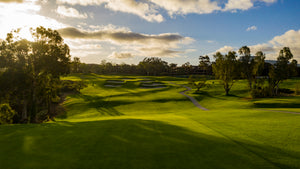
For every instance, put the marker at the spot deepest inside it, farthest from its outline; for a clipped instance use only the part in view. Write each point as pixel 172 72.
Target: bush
pixel 261 92
pixel 6 114
pixel 72 86
pixel 285 91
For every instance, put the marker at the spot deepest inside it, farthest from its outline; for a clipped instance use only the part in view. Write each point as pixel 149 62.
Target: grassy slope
pixel 129 127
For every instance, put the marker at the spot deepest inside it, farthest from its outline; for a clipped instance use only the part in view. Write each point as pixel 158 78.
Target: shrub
pixel 72 86
pixel 261 92
pixel 285 91
pixel 6 114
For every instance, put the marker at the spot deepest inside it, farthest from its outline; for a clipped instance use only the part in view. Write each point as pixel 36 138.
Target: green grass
pixel 134 128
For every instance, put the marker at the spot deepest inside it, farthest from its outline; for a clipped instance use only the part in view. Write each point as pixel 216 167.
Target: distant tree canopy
pixel 29 80
pixel 153 66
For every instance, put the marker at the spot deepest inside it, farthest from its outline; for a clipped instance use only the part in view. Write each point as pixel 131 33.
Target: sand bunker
pixel 146 81
pixel 152 85
pixel 115 81
pixel 156 87
pixel 113 86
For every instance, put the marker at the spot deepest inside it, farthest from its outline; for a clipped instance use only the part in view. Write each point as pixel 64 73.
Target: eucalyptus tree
pixel 225 68
pixel 247 64
pixel 204 63
pixel 153 66
pixel 32 70
pixel 258 68
pixel 282 69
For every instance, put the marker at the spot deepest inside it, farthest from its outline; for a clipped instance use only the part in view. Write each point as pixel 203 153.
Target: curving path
pixel 194 101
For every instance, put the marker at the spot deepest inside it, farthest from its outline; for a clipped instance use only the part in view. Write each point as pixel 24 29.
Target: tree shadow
pixel 276 105
pixel 133 144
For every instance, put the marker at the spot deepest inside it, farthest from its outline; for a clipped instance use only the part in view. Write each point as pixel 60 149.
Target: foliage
pixel 30 82
pixel 72 86
pixel 197 81
pixel 247 64
pixel 281 70
pixel 6 114
pixel 153 66
pixel 204 63
pixel 226 69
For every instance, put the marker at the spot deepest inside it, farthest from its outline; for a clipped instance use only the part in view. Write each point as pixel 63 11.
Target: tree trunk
pixel 33 107
pixel 250 84
pixel 227 91
pixel 24 111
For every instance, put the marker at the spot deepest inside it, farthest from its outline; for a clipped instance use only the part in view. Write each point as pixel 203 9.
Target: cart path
pixel 194 101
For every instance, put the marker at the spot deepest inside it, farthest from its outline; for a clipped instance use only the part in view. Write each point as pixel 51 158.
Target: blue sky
pixel 178 31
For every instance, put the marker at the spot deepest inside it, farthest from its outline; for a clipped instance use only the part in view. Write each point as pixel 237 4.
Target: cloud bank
pixel 151 10
pixel 127 43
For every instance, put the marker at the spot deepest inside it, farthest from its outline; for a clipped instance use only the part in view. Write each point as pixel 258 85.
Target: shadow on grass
pixel 101 104
pixel 276 105
pixel 202 94
pixel 129 143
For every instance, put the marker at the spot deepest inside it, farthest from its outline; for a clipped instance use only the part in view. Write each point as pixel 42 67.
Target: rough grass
pixel 134 128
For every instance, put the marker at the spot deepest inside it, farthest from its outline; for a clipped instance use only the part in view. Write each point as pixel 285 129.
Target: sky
pixel 178 31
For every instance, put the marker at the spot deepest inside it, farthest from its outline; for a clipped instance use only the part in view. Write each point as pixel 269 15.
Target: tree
pixel 6 114
pixel 32 70
pixel 197 81
pixel 281 70
pixel 153 66
pixel 75 65
pixel 247 64
pixel 225 69
pixel 204 63
pixel 186 67
pixel 258 68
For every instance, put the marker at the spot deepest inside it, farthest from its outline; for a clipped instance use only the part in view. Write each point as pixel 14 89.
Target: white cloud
pixel 187 6
pixel 124 55
pixel 150 10
pixel 82 2
pixel 269 1
pixel 289 39
pixel 225 49
pixel 70 12
pixel 251 28
pixel 144 10
pixel 238 4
